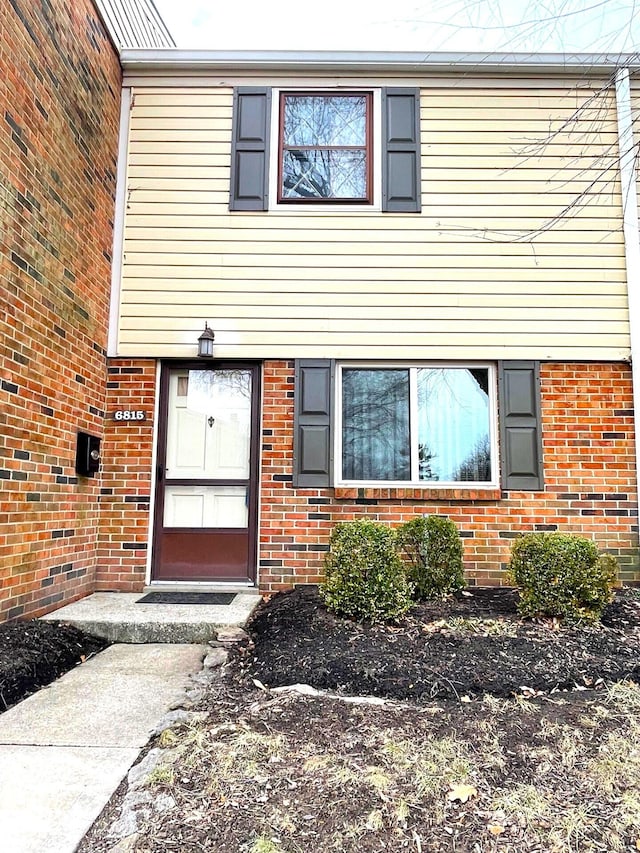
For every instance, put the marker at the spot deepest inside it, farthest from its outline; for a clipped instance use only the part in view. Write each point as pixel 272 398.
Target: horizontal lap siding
pixel 517 253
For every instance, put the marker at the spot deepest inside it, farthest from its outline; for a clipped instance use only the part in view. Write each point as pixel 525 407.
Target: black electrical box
pixel 87 454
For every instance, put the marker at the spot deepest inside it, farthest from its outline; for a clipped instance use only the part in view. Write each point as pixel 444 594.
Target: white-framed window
pixel 315 150
pixel 325 150
pixel 419 424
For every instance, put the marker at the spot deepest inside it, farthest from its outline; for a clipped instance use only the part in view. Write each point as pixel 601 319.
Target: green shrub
pixel 432 550
pixel 561 574
pixel 365 578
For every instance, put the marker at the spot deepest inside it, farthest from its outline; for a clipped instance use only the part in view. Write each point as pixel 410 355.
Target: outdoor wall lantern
pixel 205 343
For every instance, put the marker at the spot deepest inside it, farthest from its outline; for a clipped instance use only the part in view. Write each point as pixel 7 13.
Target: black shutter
pixel 312 443
pixel 250 149
pixel 520 427
pixel 401 150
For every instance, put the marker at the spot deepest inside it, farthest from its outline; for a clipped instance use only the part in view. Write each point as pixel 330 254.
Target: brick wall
pixel 59 114
pixel 126 477
pixel 590 484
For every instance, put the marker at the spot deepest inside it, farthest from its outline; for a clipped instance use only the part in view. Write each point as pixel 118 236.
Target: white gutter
pixel 326 60
pixel 628 177
pixel 118 223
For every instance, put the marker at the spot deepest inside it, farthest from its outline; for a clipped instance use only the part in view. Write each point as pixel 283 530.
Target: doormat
pixel 187 598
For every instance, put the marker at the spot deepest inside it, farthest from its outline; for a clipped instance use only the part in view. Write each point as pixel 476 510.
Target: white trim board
pixel 631 229
pixel 118 222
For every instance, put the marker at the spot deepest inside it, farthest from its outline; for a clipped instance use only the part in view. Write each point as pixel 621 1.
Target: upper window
pixel 325 148
pixel 417 425
pixel 314 148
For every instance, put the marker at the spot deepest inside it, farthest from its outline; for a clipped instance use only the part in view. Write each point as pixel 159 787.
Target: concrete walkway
pixel 64 750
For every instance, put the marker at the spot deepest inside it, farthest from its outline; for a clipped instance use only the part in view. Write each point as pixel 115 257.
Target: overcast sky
pixel 455 25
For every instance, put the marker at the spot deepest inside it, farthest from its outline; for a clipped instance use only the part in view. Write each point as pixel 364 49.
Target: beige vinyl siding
pixel 518 251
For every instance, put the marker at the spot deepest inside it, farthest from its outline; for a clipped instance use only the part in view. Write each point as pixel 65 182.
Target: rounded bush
pixel 560 574
pixel 431 548
pixel 365 578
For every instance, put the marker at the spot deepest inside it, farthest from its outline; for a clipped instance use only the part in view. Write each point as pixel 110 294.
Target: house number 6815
pixel 129 415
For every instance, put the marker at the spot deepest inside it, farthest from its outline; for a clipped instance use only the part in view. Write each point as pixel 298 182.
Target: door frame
pixel 166 366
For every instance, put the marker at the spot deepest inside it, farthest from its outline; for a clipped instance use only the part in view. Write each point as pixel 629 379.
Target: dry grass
pixel 550 770
pixel 297 774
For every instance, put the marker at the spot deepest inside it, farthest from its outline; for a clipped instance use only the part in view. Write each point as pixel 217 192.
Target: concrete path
pixel 64 750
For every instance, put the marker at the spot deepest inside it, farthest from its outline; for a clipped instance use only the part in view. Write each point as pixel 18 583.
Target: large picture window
pixel 325 147
pixel 418 424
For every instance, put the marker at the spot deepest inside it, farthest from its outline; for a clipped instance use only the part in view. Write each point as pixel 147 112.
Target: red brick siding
pixel 126 477
pixel 59 113
pixel 590 484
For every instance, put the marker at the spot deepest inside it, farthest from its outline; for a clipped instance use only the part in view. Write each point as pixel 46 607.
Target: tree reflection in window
pixel 451 438
pixel 453 418
pixel 213 391
pixel 325 147
pixel 375 431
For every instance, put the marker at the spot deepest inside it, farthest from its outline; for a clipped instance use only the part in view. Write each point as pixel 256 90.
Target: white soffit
pixel 134 24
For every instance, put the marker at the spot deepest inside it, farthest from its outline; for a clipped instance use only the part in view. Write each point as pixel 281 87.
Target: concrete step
pixel 120 618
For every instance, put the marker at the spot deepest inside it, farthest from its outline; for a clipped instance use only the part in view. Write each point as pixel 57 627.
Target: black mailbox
pixel 87 454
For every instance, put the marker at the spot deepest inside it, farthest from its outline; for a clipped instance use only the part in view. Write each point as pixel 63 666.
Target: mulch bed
pixel 34 653
pixel 469 644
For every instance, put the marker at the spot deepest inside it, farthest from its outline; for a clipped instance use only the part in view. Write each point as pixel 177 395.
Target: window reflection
pixel 453 425
pixel 324 174
pixel 214 391
pixel 375 435
pixel 324 146
pixel 451 435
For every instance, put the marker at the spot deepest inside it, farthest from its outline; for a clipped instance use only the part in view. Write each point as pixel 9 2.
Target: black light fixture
pixel 205 343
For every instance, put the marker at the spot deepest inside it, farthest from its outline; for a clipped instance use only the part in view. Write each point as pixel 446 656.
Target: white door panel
pixel 230 506
pixel 205 506
pixel 230 457
pixel 183 508
pixel 189 445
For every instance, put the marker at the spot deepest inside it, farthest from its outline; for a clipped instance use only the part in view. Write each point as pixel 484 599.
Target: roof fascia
pixel 174 60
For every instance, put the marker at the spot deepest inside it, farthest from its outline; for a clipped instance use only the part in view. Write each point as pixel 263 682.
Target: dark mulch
pixel 469 644
pixel 34 653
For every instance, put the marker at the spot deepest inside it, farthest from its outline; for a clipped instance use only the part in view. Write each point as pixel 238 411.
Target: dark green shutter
pixel 312 443
pixel 250 149
pixel 401 150
pixel 520 427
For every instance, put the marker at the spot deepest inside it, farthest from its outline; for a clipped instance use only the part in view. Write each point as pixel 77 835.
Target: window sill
pixel 491 493
pixel 321 209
